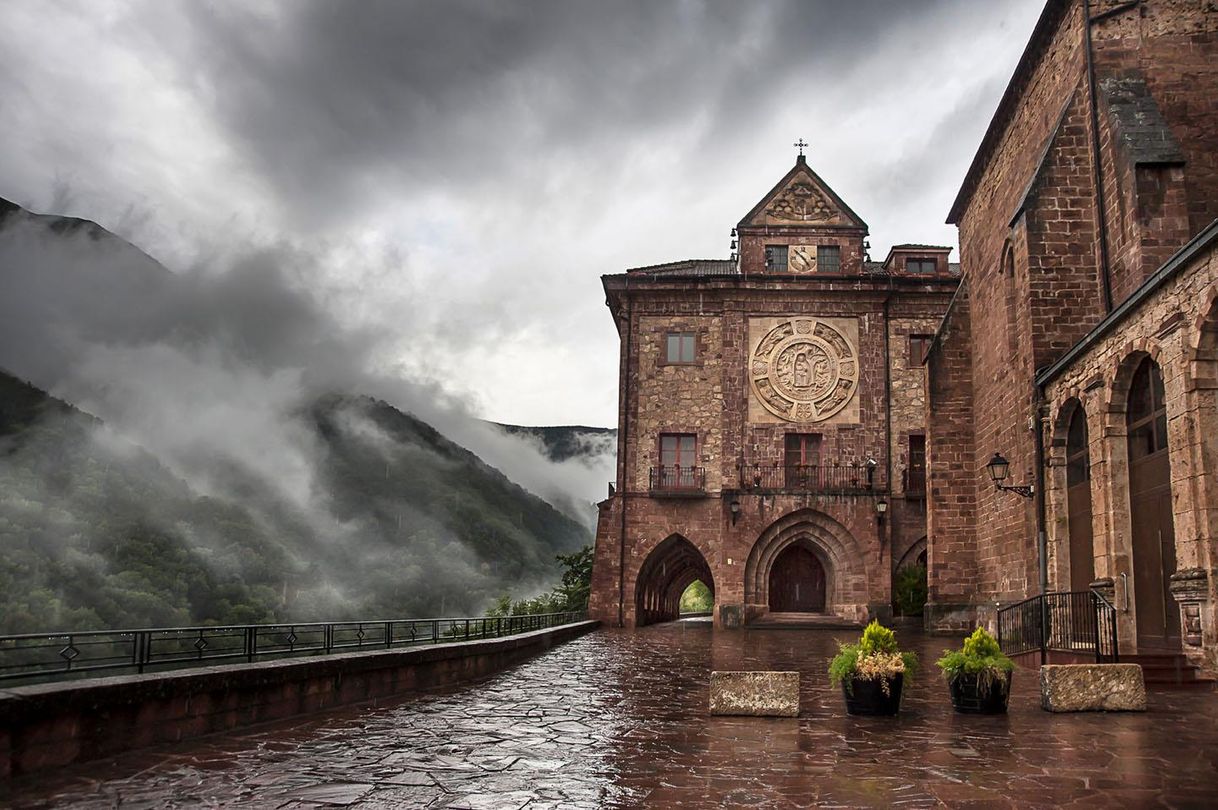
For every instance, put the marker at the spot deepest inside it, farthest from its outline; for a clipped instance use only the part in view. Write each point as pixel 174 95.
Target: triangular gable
pixel 802 198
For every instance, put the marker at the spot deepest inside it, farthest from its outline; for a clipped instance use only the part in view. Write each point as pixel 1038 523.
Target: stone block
pixel 1092 688
pixel 756 694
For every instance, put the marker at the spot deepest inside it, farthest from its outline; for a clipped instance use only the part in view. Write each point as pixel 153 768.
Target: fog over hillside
pixel 210 369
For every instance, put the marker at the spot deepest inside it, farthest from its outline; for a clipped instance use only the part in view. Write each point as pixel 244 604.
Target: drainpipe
pixel 888 436
pixel 1042 541
pixel 622 490
pixel 1096 166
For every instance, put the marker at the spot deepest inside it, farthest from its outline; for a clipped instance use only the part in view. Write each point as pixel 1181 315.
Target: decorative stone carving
pixel 801 202
pixel 804 370
pixel 1189 587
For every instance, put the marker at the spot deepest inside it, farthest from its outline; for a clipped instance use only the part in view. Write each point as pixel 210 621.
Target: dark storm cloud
pixel 334 100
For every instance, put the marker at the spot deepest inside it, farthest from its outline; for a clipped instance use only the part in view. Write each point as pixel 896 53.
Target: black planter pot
pixel 867 697
pixel 967 697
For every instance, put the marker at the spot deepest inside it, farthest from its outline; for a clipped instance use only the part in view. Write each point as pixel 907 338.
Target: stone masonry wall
pixel 1178 327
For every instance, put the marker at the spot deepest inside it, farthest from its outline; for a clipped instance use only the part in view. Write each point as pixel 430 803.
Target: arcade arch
pixel 670 568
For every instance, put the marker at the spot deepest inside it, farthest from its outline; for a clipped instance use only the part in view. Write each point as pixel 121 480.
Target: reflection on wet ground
pixel 620 719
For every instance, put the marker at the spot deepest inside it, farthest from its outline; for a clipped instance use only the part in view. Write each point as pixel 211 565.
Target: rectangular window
pixel 920 266
pixel 678 460
pixel 918 346
pixel 915 473
pixel 828 259
pixel 801 460
pixel 776 258
pixel 679 347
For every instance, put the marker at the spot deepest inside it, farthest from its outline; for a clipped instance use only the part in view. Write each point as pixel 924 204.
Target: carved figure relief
pixel 800 202
pixel 804 370
pixel 801 259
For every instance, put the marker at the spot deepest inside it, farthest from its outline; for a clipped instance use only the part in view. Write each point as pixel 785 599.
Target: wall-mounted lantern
pixel 881 508
pixel 999 468
pixel 734 508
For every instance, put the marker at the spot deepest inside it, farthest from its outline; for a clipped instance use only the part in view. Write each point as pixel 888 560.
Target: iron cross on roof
pixel 800 145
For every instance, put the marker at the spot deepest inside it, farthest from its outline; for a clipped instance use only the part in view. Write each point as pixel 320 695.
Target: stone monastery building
pixel 797 422
pixel 772 406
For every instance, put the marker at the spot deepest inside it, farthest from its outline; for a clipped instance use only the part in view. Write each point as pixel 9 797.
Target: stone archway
pixel 825 557
pixel 670 568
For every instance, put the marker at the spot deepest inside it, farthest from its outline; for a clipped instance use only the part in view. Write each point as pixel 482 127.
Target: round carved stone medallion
pixel 804 370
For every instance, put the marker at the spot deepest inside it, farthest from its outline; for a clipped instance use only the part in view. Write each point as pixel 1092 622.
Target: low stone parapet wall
pixel 51 725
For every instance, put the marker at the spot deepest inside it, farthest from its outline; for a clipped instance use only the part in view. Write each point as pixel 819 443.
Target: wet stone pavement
pixel 619 719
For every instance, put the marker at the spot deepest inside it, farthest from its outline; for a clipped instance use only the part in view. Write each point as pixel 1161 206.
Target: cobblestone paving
pixel 618 719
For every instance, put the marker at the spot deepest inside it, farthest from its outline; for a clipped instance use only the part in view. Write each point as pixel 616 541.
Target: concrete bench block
pixel 1092 688
pixel 755 694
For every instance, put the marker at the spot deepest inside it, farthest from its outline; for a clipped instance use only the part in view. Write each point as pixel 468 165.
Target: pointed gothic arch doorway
pixel 1150 510
pixel 797 581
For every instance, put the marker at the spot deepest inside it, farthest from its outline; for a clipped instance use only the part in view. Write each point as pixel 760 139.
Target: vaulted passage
pixel 671 567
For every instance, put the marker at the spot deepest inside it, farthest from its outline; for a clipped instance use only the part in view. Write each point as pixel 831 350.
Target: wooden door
pixel 1154 540
pixel 797 582
pixel 1154 553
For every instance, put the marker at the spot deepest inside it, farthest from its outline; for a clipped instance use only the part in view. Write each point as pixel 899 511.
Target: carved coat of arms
pixel 804 370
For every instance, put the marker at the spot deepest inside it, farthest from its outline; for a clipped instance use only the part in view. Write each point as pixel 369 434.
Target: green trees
pixel 570 595
pixel 96 535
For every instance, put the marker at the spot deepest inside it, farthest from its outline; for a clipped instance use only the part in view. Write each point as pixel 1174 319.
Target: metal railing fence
pixel 40 657
pixel 1076 622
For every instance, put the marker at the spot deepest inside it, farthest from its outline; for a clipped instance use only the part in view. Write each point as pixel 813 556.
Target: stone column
pixel 1190 587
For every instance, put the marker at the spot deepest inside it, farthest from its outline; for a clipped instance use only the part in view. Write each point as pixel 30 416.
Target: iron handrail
pixel 57 655
pixel 1074 622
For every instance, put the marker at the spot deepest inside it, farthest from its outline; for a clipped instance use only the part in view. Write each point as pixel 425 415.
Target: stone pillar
pixel 1190 587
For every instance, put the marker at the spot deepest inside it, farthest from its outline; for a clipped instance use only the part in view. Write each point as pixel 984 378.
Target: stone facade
pixel 797 345
pixel 1086 246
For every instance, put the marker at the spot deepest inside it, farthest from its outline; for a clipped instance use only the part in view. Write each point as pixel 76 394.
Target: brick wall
pixel 1031 197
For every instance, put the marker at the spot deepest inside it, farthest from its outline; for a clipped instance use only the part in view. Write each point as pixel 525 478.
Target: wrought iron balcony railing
pixel 830 479
pixel 678 481
pixel 38 657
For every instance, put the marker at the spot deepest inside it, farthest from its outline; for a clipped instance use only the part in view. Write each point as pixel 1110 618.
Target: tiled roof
pixel 689 267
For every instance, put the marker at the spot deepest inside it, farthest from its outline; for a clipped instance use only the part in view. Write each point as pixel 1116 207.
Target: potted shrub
pixel 978 675
pixel 872 671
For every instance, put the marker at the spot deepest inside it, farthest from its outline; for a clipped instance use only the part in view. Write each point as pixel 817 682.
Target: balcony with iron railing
pixel 675 481
pixel 844 478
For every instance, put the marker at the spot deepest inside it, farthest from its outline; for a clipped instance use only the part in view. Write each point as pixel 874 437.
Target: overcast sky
pixel 460 174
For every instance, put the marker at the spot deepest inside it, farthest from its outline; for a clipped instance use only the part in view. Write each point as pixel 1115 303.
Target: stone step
pixel 803 621
pixel 1170 669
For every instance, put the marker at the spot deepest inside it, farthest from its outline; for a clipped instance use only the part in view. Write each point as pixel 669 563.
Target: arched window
pixel 1078 501
pixel 1007 274
pixel 1147 415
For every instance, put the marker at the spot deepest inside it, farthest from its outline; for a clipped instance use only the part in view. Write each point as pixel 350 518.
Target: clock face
pixel 802 259
pixel 804 370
